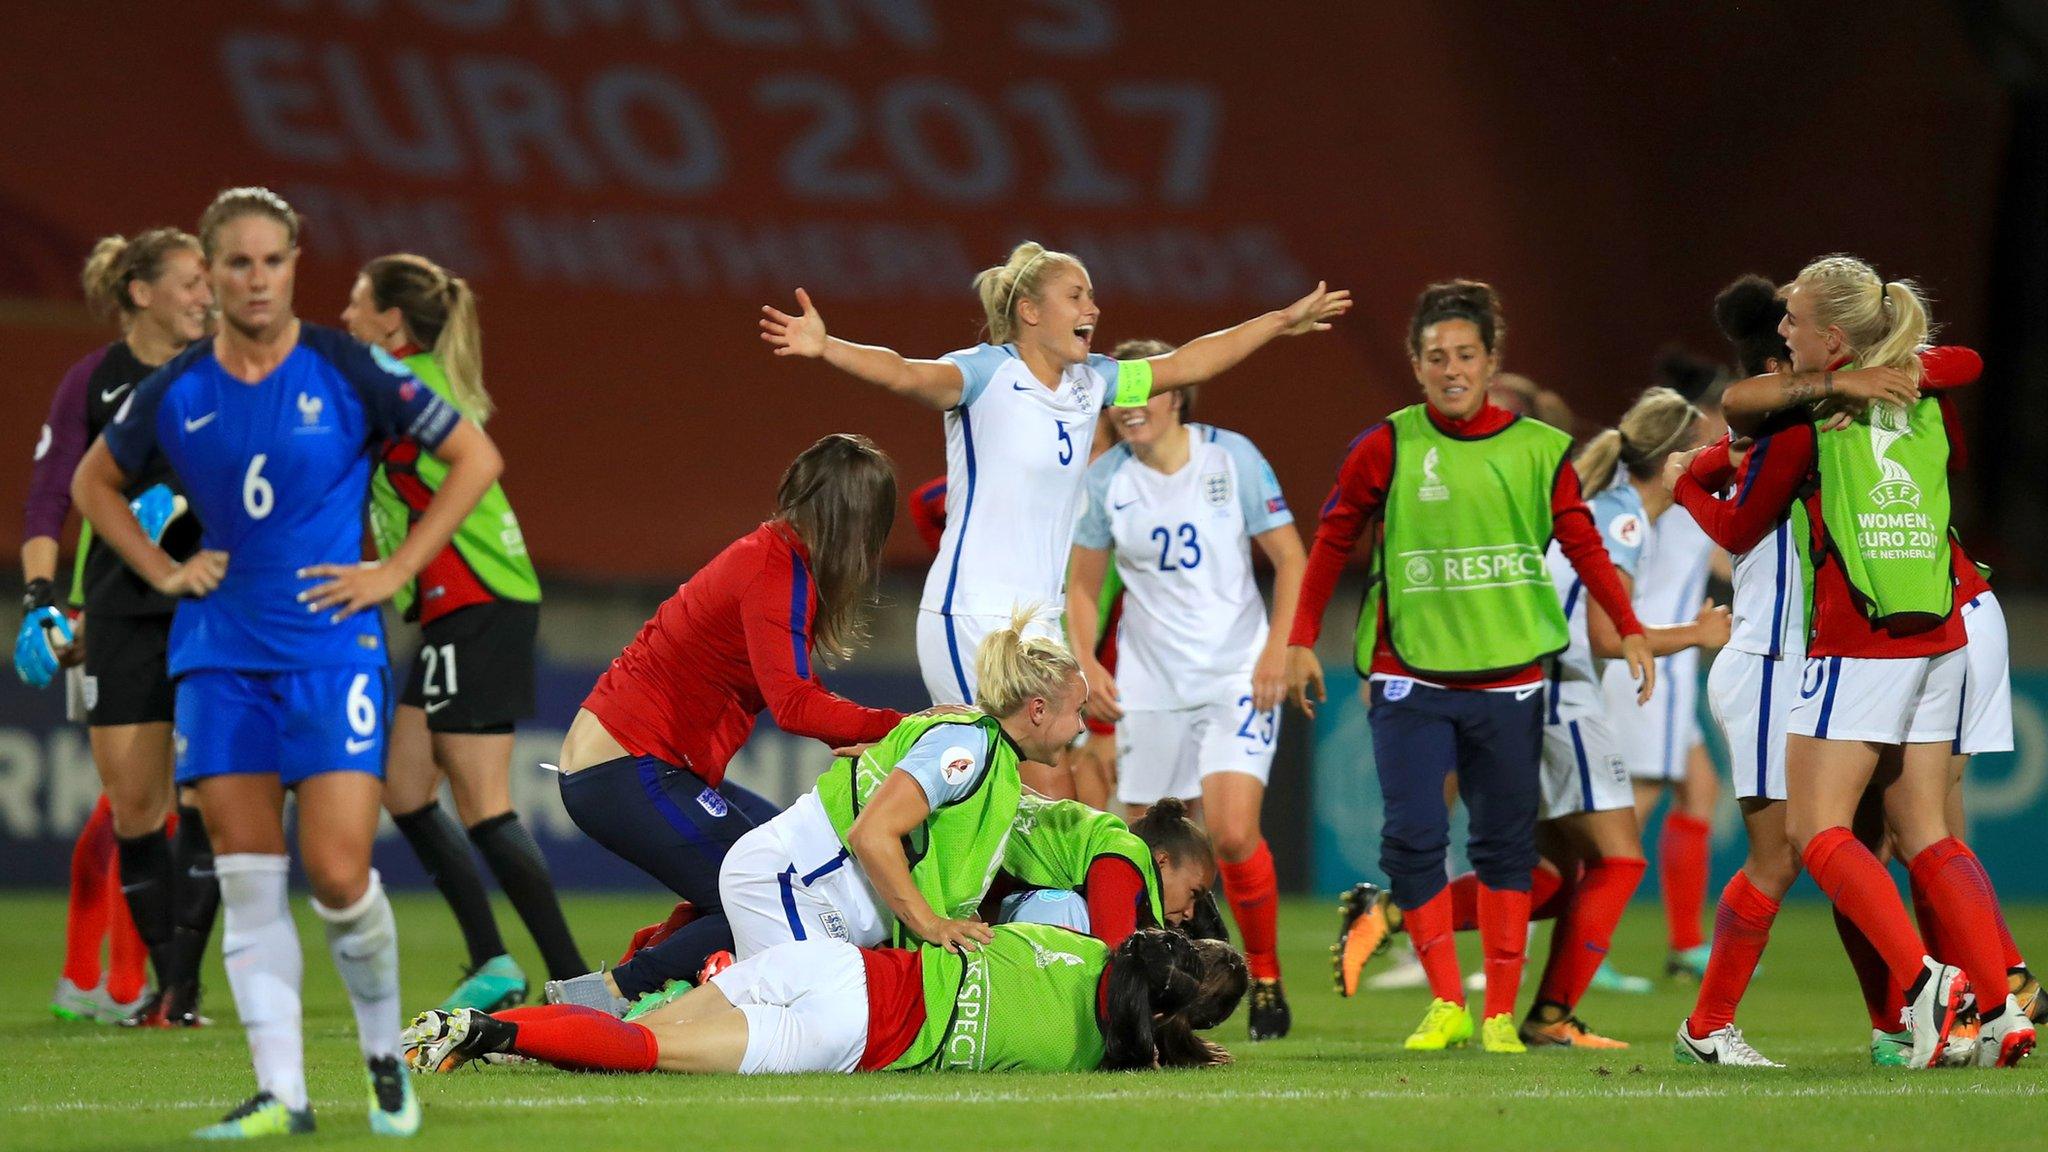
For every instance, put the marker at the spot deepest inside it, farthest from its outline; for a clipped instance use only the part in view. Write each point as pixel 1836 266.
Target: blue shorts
pixel 293 724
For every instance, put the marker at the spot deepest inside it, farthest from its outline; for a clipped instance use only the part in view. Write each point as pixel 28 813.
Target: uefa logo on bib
pixel 1433 487
pixel 1889 424
pixel 1419 571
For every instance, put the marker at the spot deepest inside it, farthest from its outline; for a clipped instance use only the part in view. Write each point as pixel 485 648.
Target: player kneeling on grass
pixel 1034 997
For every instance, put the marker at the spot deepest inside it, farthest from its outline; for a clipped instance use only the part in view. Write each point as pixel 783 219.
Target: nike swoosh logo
pixel 1029 388
pixel 203 421
pixel 130 889
pixel 1525 693
pixel 437 705
pixel 107 396
pixel 364 745
pixel 1122 506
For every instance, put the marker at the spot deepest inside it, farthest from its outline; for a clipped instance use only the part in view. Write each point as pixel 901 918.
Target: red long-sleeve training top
pixel 1360 496
pixel 1783 467
pixel 734 639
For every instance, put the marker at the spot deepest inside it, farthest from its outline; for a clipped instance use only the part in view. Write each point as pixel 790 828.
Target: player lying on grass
pixel 1034 997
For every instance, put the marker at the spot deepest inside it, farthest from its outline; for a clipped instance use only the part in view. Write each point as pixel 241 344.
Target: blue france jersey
pixel 278 473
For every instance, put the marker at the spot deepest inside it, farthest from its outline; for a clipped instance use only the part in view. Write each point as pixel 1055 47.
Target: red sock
pixel 1429 930
pixel 85 923
pixel 1682 861
pixel 1961 898
pixel 128 970
pixel 1884 1000
pixel 1863 891
pixel 1742 926
pixel 1548 897
pixel 1926 918
pixel 1254 894
pixel 581 1039
pixel 1504 934
pixel 2013 959
pixel 1579 942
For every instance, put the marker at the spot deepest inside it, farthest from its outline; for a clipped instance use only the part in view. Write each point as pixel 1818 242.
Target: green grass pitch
pixel 1341 1080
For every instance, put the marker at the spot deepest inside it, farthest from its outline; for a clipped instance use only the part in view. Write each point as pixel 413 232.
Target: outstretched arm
pixel 936 384
pixel 1218 352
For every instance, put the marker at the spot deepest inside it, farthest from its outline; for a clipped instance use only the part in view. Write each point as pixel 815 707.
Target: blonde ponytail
pixel 117 262
pixel 439 311
pixel 1018 278
pixel 1659 423
pixel 104 277
pixel 1595 462
pixel 461 351
pixel 1885 324
pixel 1012 669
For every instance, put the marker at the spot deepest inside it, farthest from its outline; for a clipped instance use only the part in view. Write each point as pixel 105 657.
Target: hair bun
pixel 1748 308
pixel 1168 808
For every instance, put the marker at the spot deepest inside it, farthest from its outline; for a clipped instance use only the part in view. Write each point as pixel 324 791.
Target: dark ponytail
pixel 1166 827
pixel 1748 313
pixel 1162 987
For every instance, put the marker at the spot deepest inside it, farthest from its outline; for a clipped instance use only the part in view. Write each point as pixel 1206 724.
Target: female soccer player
pixel 1660 743
pixel 1035 998
pixel 1589 828
pixel 271 427
pixel 1085 869
pixel 900 843
pixel 643 764
pixel 1018 411
pixel 1197 700
pixel 1751 684
pixel 1883 679
pixel 156 284
pixel 478 605
pixel 1461 615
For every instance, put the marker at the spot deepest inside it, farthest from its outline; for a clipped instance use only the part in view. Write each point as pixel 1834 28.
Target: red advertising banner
pixel 625 182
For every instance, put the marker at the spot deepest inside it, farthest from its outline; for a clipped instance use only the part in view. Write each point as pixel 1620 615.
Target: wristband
pixel 37 594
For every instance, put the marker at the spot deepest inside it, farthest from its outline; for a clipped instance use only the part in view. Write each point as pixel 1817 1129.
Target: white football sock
pixel 363 940
pixel 260 949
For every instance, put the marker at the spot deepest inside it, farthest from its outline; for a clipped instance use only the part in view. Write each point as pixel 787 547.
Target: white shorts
pixel 1751 696
pixel 791 880
pixel 1987 685
pixel 1655 739
pixel 806 1006
pixel 1581 770
pixel 947 646
pixel 1916 700
pixel 1055 906
pixel 1170 752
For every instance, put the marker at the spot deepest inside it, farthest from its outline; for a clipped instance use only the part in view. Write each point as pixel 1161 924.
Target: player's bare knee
pixel 337 882
pixel 1234 845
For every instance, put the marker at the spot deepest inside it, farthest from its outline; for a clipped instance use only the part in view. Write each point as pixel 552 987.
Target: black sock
pixel 198 899
pixel 523 873
pixel 437 840
pixel 148 881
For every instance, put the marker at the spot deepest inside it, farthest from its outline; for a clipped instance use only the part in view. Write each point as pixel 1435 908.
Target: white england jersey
pixel 1574 674
pixel 1193 622
pixel 1015 455
pixel 1768 616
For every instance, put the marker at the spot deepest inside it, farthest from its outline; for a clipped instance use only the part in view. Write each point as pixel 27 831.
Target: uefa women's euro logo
pixel 1889 424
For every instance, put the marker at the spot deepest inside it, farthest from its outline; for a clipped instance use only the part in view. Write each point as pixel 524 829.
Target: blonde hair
pixel 440 312
pixel 118 261
pixel 1885 323
pixel 1012 668
pixel 236 203
pixel 1653 427
pixel 1018 278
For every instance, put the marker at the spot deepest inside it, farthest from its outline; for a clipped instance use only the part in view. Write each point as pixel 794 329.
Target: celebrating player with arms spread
pixel 1019 412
